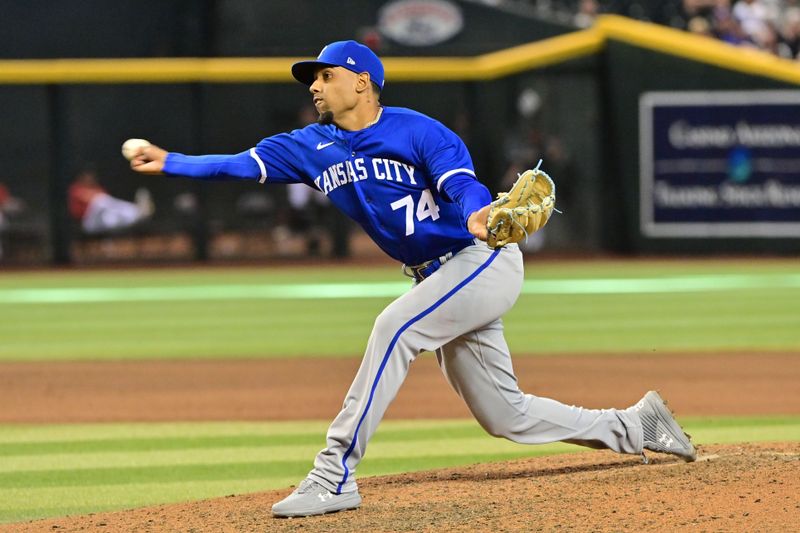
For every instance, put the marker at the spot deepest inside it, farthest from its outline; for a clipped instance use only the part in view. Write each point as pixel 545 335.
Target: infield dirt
pixel 296 389
pixel 730 488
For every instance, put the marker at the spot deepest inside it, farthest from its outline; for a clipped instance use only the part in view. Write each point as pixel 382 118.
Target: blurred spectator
pixel 790 35
pixel 700 26
pixel 98 211
pixel 587 13
pixel 775 10
pixel 371 37
pixel 771 25
pixel 722 8
pixel 728 30
pixel 770 41
pixel 309 210
pixel 752 16
pixel 791 9
pixel 10 206
pixel 691 9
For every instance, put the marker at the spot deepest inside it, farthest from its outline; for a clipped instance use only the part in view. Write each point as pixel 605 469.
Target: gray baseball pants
pixel 456 313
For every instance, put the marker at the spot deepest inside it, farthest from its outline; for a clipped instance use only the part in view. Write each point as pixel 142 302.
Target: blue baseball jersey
pixel 390 178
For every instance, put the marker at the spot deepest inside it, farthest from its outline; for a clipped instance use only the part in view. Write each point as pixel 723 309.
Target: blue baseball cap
pixel 347 54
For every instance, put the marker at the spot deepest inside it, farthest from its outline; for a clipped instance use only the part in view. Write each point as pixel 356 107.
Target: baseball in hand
pixel 132 146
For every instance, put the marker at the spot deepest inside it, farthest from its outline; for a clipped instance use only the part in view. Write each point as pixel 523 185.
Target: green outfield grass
pixel 610 306
pixel 57 470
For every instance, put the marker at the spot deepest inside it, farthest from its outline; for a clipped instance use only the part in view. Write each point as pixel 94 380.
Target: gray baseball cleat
pixel 311 498
pixel 661 432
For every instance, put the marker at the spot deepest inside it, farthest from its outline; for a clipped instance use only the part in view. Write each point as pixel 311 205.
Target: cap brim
pixel 303 71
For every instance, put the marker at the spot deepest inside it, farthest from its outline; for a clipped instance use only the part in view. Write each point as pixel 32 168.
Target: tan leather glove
pixel 523 210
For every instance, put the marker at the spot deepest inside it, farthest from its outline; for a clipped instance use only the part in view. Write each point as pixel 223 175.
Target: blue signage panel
pixel 720 164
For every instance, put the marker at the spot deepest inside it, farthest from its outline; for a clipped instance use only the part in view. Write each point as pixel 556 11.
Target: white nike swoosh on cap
pixel 320 145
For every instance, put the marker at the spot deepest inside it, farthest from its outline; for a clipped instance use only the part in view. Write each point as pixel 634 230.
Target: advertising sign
pixel 720 164
pixel 420 22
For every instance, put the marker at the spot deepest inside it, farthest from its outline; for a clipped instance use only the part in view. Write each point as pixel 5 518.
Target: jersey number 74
pixel 426 207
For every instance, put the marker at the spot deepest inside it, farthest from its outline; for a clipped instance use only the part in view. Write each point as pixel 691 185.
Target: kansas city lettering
pixel 345 172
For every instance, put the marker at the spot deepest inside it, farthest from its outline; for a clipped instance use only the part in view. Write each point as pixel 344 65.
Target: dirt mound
pixel 730 488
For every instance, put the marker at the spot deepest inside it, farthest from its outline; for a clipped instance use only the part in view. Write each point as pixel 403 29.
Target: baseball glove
pixel 523 210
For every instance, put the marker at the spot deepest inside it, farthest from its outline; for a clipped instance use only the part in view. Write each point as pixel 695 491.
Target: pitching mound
pixel 729 488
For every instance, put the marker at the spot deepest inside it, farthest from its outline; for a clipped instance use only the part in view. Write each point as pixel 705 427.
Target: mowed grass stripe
pixel 65 447
pixel 663 322
pixel 35 502
pixel 87 477
pixel 41 433
pixel 267 468
pixel 395 429
pixel 87 438
pixel 391 449
pixel 181 329
pixel 30 504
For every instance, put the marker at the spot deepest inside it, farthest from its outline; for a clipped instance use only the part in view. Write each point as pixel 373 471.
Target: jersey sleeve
pixel 275 159
pixel 468 193
pixel 279 159
pixel 443 154
pixel 451 171
pixel 212 167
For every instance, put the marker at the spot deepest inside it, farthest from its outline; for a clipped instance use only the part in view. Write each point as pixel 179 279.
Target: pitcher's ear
pixel 363 82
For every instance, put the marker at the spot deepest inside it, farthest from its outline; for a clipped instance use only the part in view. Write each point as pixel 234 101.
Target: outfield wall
pixel 582 91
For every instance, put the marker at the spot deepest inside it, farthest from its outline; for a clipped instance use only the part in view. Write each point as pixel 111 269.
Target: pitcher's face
pixel 335 90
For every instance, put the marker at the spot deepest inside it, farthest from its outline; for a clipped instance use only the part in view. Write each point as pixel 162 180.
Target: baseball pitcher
pixel 410 183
